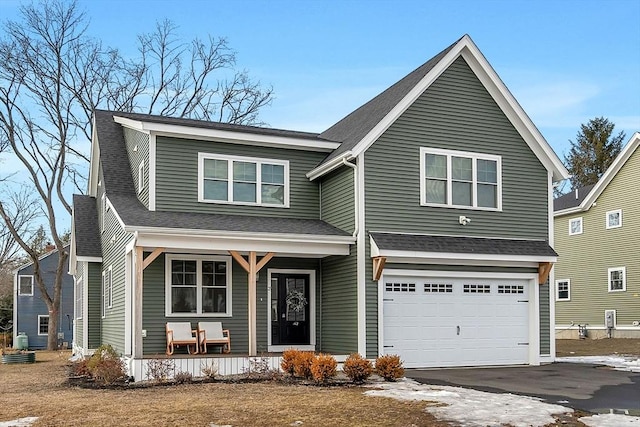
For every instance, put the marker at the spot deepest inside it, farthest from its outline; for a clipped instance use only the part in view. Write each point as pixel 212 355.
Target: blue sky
pixel 565 61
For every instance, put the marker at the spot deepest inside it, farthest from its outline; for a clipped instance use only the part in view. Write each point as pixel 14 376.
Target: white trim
pixel 115 213
pixel 94 163
pixel 89 259
pixel 20 294
pixel 15 307
pixel 85 308
pixel 141 177
pixel 259 162
pixel 571 221
pixel 152 171
pixel 615 211
pixel 449 178
pixel 107 299
pixel 552 305
pixel 329 166
pixel 557 282
pixel 129 273
pixel 42 316
pixel 624 279
pixel 198 258
pixel 606 178
pixel 312 310
pixel 361 261
pixel 534 301
pixel 230 136
pixel 103 212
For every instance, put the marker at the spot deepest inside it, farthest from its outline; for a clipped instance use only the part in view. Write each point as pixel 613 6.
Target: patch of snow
pixel 620 363
pixel 473 408
pixel 610 420
pixel 20 422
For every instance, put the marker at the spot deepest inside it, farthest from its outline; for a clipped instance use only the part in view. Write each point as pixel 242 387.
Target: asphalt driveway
pixel 592 388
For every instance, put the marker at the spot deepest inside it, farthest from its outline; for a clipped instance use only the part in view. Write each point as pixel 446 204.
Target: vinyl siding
pixel 545 320
pixel 177 178
pixel 94 291
pixel 338 199
pixel 585 258
pixel 153 309
pixel 139 140
pixel 339 333
pixel 455 113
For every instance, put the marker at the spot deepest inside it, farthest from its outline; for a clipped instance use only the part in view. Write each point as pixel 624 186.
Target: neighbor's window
pixel 563 290
pixel 575 226
pixel 198 286
pixel 459 179
pixel 43 325
pixel 243 180
pixel 614 219
pixel 617 279
pixel 25 285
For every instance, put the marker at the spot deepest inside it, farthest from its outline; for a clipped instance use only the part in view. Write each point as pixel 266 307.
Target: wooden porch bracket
pixel 152 256
pixel 544 268
pixel 252 267
pixel 378 266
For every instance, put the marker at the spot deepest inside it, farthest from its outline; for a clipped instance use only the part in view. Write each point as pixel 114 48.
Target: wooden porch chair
pixel 212 333
pixel 180 333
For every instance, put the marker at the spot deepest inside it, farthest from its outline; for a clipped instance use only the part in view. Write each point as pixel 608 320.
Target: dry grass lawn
pixel 38 390
pixel 601 347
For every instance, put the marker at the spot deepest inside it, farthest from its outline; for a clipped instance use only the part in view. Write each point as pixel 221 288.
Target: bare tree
pixel 53 75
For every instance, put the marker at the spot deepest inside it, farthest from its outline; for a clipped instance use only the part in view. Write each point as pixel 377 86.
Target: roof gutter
pixel 329 166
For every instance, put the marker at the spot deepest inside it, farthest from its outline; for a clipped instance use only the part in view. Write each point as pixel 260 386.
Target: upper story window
pixel 25 285
pixel 460 180
pixel 243 180
pixel 614 219
pixel 563 290
pixel 617 279
pixel 198 285
pixel 575 226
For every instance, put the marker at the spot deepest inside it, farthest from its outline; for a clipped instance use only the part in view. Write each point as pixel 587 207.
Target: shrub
pixel 108 371
pixel 159 369
pixel 389 367
pixel 357 368
pixel 288 361
pixel 209 371
pixel 183 377
pixel 81 368
pixel 104 352
pixel 302 364
pixel 323 367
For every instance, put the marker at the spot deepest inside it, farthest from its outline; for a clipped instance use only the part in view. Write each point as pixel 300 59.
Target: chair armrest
pixel 194 332
pixel 225 333
pixel 169 335
pixel 202 334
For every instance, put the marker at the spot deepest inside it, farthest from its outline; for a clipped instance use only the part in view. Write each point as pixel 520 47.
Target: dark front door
pixel 289 309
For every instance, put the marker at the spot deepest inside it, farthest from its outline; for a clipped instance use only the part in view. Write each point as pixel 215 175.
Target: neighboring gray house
pixel 30 312
pixel 418 225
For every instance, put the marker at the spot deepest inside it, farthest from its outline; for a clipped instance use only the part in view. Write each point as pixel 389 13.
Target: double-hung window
pixel 614 219
pixel 563 290
pixel 43 325
pixel 198 285
pixel 460 179
pixel 575 226
pixel 617 279
pixel 243 180
pixel 25 285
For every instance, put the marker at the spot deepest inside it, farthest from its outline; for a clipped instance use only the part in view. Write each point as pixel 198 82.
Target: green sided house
pixel 418 225
pixel 597 277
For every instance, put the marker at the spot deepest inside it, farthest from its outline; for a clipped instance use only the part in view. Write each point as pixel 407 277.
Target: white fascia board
pixel 94 162
pixel 568 211
pixel 315 246
pixel 115 213
pixel 329 166
pixel 375 251
pixel 234 137
pixel 89 259
pixel 464 258
pixel 611 172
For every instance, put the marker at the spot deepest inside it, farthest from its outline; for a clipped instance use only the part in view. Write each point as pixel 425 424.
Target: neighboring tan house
pixel 418 225
pixel 597 277
pixel 30 312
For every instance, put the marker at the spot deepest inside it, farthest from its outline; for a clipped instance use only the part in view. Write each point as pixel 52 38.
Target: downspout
pixel 356 225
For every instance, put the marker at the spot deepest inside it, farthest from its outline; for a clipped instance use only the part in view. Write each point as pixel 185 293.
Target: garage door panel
pixel 476 322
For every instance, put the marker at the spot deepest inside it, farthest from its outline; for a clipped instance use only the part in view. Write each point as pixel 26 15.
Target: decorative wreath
pixel 296 301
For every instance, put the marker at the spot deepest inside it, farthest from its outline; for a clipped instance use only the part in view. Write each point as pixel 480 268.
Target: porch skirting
pixel 224 365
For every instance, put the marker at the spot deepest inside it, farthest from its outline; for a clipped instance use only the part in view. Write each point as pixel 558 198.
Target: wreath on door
pixel 296 301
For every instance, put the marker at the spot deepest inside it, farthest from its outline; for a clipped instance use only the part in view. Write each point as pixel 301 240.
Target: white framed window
pixel 575 226
pixel 243 180
pixel 43 325
pixel 141 177
pixel 459 179
pixel 197 286
pixel 79 299
pixel 614 219
pixel 25 285
pixel 563 290
pixel 617 279
pixel 107 290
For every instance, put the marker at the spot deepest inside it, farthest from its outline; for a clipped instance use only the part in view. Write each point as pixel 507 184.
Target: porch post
pixel 137 304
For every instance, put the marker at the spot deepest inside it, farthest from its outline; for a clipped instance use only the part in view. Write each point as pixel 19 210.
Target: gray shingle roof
pixel 462 245
pixel 355 126
pixel 87 232
pixel 119 187
pixel 571 199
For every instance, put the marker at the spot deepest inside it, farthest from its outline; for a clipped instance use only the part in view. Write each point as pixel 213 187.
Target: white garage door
pixel 437 322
